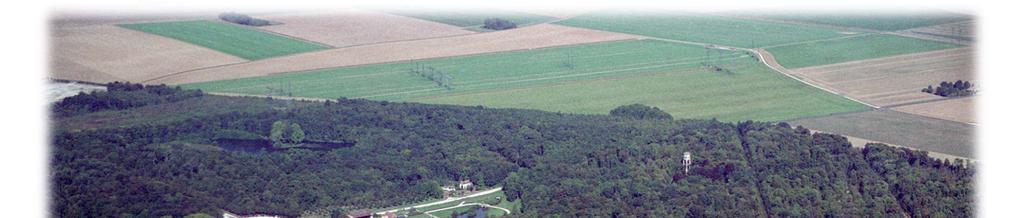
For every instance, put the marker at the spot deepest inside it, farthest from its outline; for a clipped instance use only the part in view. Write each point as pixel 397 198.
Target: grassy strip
pixel 701 28
pixel 663 74
pixel 475 19
pixel 851 49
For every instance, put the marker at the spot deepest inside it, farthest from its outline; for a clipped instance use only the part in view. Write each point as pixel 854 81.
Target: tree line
pixel 951 89
pixel 119 96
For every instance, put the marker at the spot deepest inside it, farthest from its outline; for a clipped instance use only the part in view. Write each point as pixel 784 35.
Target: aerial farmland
pixel 382 113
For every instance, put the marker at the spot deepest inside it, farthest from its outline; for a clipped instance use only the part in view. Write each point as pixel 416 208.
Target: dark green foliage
pixel 242 19
pixel 813 175
pixel 924 186
pixel 121 96
pixel 552 163
pixel 639 111
pixel 951 89
pixel 498 24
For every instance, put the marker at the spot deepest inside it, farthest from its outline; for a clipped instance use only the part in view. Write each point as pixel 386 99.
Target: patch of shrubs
pixel 121 96
pixel 639 111
pixel 498 24
pixel 951 89
pixel 243 19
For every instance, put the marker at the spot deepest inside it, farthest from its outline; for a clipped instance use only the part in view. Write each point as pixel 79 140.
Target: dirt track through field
pixel 352 27
pixel 531 37
pixel 105 53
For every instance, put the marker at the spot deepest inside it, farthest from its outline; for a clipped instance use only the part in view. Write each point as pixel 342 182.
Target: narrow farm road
pixel 768 60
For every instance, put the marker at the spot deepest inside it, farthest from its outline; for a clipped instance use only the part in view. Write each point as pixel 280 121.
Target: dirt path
pixel 769 60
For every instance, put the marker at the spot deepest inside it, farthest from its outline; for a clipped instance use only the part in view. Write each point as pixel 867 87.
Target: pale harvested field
pixel 894 80
pixel 958 109
pixel 105 53
pixel 894 127
pixel 80 19
pixel 535 36
pixel 352 27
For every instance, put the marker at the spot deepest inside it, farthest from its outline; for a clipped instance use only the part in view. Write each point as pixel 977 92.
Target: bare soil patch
pixel 894 127
pixel 351 27
pixel 105 53
pixel 535 36
pixel 957 109
pixel 893 80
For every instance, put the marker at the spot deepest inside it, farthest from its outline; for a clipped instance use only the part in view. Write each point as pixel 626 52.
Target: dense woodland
pixel 951 89
pixel 121 96
pixel 554 163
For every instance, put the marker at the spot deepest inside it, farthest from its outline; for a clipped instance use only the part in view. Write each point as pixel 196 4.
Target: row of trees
pixel 639 111
pixel 498 24
pixel 951 89
pixel 242 19
pixel 120 96
pixel 553 163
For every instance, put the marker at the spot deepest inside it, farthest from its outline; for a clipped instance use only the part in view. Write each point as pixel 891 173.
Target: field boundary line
pixel 197 69
pixel 765 62
pixel 539 79
pixel 296 38
pixel 818 40
pixel 379 63
pixel 893 107
pixel 761 56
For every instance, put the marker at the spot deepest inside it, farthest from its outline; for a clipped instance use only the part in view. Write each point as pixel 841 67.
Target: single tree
pixel 277 131
pixel 297 135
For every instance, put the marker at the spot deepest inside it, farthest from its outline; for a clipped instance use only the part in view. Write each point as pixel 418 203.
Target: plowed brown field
pixel 894 80
pixel 535 36
pixel 105 53
pixel 958 109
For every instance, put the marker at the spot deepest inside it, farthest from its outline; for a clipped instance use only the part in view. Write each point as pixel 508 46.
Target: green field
pixel 232 39
pixel 701 28
pixel 657 73
pixel 851 49
pixel 884 21
pixel 473 20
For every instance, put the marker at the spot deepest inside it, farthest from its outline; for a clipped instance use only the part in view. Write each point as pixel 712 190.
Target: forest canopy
pixel 553 163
